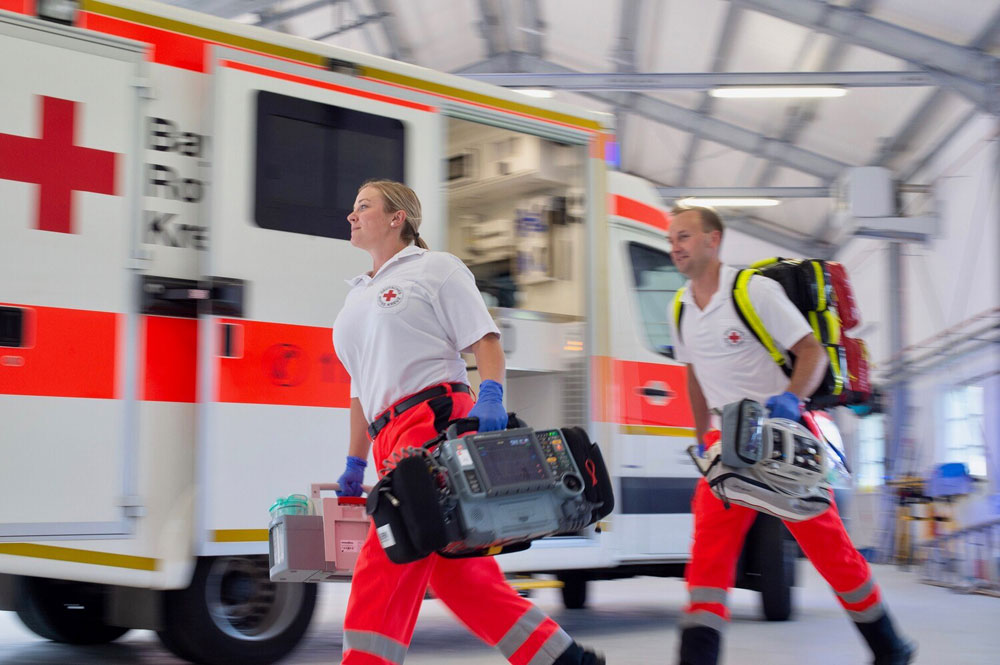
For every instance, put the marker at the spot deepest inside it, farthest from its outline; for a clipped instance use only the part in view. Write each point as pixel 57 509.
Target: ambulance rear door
pixel 291 145
pixel 69 163
pixel 655 475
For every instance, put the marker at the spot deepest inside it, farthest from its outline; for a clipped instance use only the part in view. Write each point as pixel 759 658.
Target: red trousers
pixel 718 541
pixel 386 597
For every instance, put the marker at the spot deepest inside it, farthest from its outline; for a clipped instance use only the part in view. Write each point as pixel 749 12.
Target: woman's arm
pixel 358 445
pixel 490 358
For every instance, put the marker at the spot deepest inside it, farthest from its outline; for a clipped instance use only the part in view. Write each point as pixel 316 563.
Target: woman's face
pixel 371 225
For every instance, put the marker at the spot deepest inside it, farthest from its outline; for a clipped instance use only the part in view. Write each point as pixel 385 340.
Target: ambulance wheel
pixel 776 559
pixel 232 614
pixel 574 590
pixel 68 612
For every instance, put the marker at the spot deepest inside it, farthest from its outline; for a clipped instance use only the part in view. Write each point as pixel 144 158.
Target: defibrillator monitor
pixel 509 461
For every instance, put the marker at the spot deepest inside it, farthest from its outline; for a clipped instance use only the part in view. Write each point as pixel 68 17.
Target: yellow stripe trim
pixel 79 556
pixel 742 297
pixel 535 584
pixel 202 33
pixel 250 44
pixel 763 263
pixel 496 549
pixel 239 535
pixel 441 89
pixel 653 430
pixel 820 286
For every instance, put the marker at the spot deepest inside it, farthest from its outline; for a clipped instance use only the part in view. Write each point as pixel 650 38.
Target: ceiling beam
pixel 633 82
pixel 399 44
pixel 267 19
pixel 919 119
pixel 744 192
pixel 802 113
pixel 971 72
pixel 490 28
pixel 768 232
pixel 711 129
pixel 626 62
pixel 720 60
pixel 532 27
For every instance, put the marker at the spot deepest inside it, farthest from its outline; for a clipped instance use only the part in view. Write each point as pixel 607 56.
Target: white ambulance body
pixel 174 250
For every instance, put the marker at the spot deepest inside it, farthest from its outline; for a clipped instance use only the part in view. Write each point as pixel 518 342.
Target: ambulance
pixel 174 190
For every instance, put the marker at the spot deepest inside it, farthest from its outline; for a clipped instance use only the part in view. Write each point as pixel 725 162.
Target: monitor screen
pixel 511 461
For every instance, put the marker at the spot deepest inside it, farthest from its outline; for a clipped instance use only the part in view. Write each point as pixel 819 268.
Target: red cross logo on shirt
pixel 733 337
pixel 56 165
pixel 390 296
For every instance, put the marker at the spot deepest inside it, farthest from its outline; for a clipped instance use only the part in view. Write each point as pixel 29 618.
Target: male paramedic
pixel 726 363
pixel 400 335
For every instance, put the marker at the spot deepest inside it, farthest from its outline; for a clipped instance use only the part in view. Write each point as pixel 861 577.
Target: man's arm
pixel 358 445
pixel 699 406
pixel 810 364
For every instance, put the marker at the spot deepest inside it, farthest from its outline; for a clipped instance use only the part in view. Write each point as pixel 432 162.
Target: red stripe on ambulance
pixel 622 206
pixel 274 363
pixel 19 6
pixel 67 353
pixel 166 48
pixel 169 359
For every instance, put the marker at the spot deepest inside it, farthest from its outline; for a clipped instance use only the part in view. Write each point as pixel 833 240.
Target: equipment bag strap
pixel 745 310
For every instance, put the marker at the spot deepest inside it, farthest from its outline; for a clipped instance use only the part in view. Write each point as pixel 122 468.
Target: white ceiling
pixel 679 36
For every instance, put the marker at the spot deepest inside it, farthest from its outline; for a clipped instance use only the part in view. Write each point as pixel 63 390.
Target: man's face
pixel 691 247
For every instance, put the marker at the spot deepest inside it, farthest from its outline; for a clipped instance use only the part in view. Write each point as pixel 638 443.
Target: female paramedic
pixel 399 335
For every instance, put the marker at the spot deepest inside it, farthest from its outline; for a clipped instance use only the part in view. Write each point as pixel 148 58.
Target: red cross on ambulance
pixel 57 164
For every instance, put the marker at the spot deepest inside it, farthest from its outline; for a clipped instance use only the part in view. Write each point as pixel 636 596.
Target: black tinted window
pixel 311 159
pixel 656 281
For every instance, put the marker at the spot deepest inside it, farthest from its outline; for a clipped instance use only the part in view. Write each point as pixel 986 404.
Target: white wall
pixel 947 280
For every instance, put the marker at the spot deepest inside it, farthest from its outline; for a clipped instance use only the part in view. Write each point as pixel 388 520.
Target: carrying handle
pixel 316 488
pixel 460 426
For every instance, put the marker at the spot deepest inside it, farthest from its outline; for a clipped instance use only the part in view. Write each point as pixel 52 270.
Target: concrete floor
pixel 633 621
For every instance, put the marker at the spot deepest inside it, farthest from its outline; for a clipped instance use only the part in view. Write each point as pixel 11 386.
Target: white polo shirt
pixel 729 362
pixel 403 329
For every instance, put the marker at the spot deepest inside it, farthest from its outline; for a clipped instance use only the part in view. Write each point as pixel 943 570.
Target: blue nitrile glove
pixel 786 405
pixel 489 407
pixel 350 479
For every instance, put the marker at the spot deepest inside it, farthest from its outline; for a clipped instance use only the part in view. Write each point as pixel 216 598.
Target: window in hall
pixel 964 428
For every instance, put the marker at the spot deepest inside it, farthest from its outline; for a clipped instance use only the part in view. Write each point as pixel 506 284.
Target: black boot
pixel 578 655
pixel 700 646
pixel 888 646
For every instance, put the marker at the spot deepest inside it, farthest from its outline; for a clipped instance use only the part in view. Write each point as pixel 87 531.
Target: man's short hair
pixel 710 220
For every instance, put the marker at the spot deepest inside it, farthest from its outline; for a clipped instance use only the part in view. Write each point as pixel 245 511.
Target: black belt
pixel 412 401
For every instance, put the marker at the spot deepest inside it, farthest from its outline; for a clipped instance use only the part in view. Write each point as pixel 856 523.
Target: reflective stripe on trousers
pixel 534 639
pixel 864 603
pixel 379 646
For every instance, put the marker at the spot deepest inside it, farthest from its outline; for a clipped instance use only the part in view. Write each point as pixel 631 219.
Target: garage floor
pixel 633 621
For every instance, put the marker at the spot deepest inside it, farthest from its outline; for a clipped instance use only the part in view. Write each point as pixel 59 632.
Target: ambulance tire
pixel 574 590
pixel 232 614
pixel 67 612
pixel 776 561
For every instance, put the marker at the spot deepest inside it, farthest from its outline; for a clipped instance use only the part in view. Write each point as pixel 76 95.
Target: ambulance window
pixel 11 326
pixel 656 281
pixel 311 159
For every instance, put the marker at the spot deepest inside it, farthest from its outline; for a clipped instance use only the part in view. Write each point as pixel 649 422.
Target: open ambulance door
pixel 69 149
pixel 291 145
pixel 656 477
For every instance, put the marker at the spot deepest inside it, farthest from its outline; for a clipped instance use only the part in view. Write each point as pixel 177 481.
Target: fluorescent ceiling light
pixel 778 92
pixel 541 93
pixel 729 202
